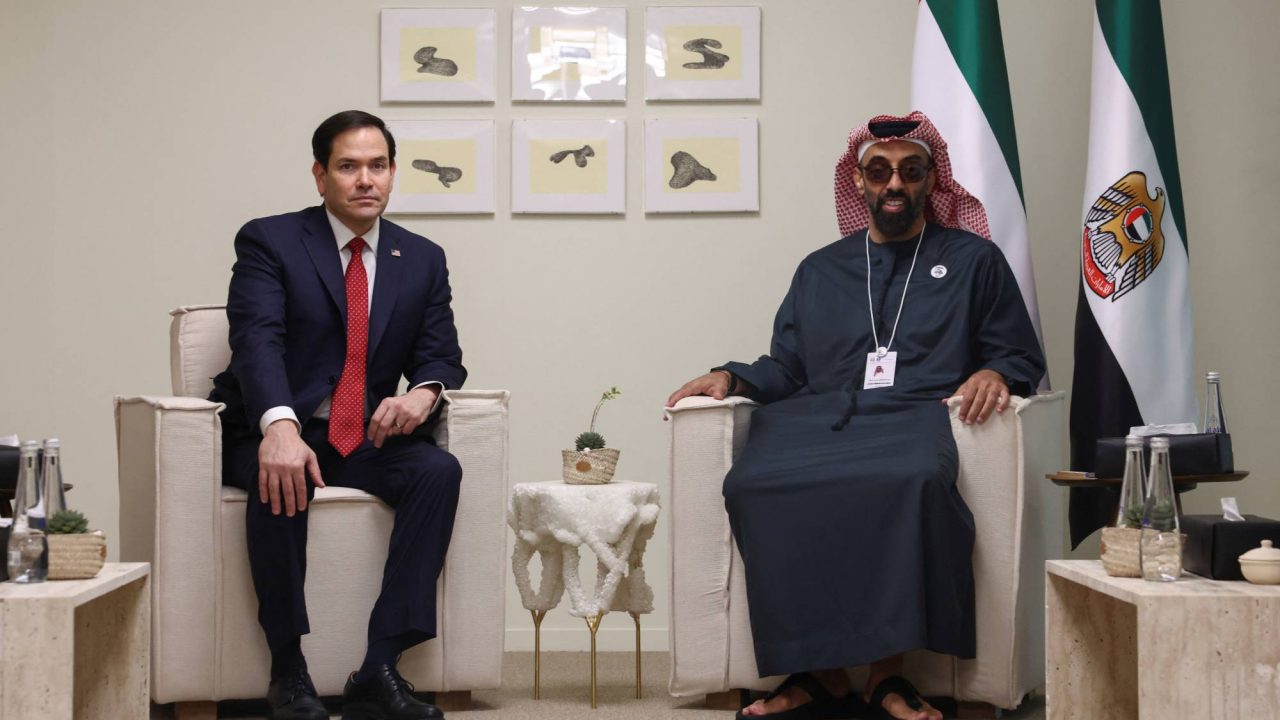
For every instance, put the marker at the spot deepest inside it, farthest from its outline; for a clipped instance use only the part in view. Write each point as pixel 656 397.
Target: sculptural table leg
pixel 537 652
pixel 593 624
pixel 636 617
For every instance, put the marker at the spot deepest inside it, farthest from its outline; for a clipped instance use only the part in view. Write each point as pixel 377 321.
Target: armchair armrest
pixel 169 453
pixel 473 427
pixel 706 436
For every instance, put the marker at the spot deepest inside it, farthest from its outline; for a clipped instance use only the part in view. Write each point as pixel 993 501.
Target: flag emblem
pixel 1122 241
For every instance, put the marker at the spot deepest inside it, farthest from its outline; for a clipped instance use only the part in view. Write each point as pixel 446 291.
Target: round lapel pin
pixel 938 271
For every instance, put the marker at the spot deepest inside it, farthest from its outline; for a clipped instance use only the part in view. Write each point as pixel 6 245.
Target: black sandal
pixel 894 685
pixel 822 704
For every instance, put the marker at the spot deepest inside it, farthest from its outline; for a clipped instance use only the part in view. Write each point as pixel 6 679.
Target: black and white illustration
pixel 580 155
pixel 687 170
pixel 429 63
pixel 447 175
pixel 701 165
pixel 568 166
pixel 445 166
pixel 702 53
pixel 706 47
pixel 432 55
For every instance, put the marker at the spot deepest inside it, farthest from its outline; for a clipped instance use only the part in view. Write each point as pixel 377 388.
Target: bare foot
pixel 896 706
pixel 835 681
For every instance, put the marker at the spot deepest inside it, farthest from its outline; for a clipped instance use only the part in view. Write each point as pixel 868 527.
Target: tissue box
pixel 1214 544
pixel 1198 454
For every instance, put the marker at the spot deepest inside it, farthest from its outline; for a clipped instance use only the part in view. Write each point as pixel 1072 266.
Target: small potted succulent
pixel 591 463
pixel 75 553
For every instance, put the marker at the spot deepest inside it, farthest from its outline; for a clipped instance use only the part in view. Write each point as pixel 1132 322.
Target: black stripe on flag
pixel 1102 405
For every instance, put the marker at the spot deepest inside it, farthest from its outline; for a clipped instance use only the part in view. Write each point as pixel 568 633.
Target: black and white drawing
pixel 579 156
pixel 688 170
pixel 429 63
pixel 447 175
pixel 711 60
pixel 702 53
pixel 569 166
pixel 701 165
pixel 437 55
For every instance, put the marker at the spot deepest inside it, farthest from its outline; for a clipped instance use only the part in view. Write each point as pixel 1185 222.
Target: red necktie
pixel 346 418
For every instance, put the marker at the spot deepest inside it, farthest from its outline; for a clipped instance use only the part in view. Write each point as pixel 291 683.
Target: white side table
pixel 77 648
pixel 615 521
pixel 1120 648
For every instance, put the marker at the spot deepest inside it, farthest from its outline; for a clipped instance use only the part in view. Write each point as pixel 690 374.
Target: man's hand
pixel 714 383
pixel 401 415
pixel 983 392
pixel 284 461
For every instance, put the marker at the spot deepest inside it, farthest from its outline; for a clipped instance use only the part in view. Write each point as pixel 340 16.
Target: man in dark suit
pixel 328 308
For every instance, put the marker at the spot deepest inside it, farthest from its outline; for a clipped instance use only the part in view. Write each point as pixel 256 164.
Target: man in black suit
pixel 328 308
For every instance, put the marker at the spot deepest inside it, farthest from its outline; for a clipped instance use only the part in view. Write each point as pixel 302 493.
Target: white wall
pixel 137 136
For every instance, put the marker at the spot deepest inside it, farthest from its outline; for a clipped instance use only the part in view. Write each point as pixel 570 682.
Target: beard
pixel 895 224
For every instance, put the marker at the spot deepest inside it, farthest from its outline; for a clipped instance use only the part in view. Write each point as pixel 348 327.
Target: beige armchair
pixel 174 513
pixel 1020 523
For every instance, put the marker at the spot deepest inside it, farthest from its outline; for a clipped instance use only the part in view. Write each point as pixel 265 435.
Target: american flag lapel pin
pixel 395 253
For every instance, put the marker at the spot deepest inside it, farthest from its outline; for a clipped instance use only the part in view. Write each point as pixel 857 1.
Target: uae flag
pixel 959 79
pixel 1133 318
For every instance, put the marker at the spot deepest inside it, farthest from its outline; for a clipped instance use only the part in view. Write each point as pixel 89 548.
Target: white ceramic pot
pixel 1261 565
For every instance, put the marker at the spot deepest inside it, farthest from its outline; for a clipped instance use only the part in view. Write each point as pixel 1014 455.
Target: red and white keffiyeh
pixel 948 204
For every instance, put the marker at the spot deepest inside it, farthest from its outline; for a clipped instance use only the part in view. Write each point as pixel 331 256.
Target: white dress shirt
pixel 343 235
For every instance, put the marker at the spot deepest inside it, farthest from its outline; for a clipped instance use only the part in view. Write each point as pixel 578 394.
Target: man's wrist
pixel 733 380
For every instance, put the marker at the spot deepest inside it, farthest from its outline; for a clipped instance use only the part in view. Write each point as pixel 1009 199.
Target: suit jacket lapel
pixel 323 249
pixel 386 283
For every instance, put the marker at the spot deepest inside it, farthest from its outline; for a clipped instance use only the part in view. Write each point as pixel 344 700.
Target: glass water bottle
pixel 55 498
pixel 28 551
pixel 1160 549
pixel 1215 421
pixel 1133 488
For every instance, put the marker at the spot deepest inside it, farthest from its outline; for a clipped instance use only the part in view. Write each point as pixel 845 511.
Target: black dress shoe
pixel 292 696
pixel 384 696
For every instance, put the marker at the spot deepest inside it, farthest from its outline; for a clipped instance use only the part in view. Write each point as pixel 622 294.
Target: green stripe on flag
pixel 1134 31
pixel 972 32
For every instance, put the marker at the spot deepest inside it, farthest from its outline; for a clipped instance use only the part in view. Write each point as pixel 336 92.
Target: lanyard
pixel 881 351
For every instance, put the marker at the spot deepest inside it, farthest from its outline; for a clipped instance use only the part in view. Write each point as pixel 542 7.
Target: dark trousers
pixel 417 479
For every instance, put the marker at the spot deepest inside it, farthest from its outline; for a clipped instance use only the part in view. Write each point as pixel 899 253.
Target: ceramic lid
pixel 1265 554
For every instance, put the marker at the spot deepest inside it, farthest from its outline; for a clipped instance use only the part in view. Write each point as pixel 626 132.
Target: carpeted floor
pixel 566 693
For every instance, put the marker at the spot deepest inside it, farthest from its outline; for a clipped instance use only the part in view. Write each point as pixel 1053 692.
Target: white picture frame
pixel 701 165
pixel 569 166
pixel 702 53
pixel 443 166
pixel 569 54
pixel 438 55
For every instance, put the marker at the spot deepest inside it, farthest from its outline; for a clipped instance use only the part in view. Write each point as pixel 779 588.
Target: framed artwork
pixel 442 166
pixel 706 165
pixel 568 166
pixel 569 54
pixel 702 53
pixel 437 55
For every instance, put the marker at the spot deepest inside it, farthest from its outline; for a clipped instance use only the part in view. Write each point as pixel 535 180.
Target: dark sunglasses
pixel 879 171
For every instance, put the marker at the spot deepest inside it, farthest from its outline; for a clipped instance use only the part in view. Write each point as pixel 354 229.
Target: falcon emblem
pixel 1122 241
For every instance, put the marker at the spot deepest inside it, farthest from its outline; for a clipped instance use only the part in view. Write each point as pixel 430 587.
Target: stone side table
pixel 615 522
pixel 77 648
pixel 1121 648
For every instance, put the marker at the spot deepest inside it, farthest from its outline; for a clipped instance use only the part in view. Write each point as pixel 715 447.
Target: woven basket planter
pixel 1120 552
pixel 76 556
pixel 589 467
pixel 1121 556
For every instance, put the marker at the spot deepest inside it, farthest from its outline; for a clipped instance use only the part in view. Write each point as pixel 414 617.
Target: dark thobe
pixel 856 543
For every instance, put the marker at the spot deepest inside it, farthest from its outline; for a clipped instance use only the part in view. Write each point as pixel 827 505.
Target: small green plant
pixel 1132 517
pixel 68 522
pixel 1161 516
pixel 592 440
pixel 589 441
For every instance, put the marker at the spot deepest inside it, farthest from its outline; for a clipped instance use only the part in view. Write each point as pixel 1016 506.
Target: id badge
pixel 880 370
